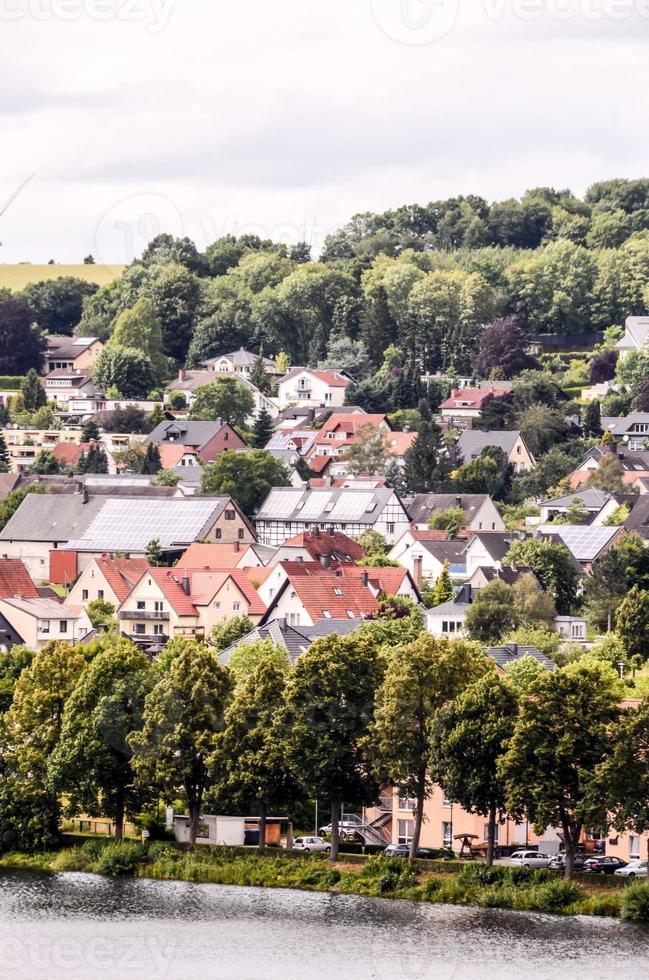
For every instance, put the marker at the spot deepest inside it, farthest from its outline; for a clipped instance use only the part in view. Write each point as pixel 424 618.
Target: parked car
pixel 558 862
pixel 634 869
pixel 348 825
pixel 314 844
pixel 530 859
pixel 403 850
pixel 604 865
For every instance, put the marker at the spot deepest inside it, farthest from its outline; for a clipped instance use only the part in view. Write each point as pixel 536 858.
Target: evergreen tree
pixel 157 415
pixel 378 329
pixel 443 591
pixel 151 464
pixel 45 463
pixel 259 377
pixel 592 419
pixel 394 477
pixel 5 459
pixel 82 465
pixel 32 391
pixel 90 432
pixel 154 553
pixel 423 459
pixel 262 430
pixel 95 462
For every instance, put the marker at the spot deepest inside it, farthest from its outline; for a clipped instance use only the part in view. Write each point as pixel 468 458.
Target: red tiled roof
pixel 169 581
pixel 321 594
pixel 15 580
pixel 473 397
pixel 69 452
pixel 318 464
pixel 172 453
pixel 122 574
pixel 387 580
pixel 334 380
pixel 212 556
pixel 204 584
pixel 398 443
pixel 337 546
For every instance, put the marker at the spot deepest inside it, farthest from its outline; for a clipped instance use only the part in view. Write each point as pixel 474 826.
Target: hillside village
pixel 487 482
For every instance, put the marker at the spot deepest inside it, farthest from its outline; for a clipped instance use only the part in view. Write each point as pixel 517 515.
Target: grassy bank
pixel 16 277
pixel 471 885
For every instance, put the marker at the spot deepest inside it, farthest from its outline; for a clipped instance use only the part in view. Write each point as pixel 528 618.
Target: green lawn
pixel 16 277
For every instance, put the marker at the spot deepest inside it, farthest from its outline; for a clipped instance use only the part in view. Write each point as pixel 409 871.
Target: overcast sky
pixel 285 117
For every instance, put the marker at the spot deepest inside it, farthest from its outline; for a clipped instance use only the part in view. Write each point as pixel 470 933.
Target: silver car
pixel 634 869
pixel 311 844
pixel 529 859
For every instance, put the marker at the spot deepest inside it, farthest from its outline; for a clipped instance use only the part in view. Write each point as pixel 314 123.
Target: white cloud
pixel 289 117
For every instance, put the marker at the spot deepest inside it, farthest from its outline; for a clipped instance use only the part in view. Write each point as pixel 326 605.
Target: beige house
pixel 472 442
pixel 39 621
pixel 322 389
pixel 166 603
pixel 107 578
pixel 71 353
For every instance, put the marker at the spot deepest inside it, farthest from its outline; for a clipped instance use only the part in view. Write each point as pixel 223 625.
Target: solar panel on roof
pixel 315 505
pixel 129 525
pixel 352 506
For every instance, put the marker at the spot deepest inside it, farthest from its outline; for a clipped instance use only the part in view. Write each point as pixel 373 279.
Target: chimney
pixel 455 393
pixel 84 496
pixel 282 624
pixel 317 532
pixel 182 374
pixel 185 583
pixel 331 532
pixel 418 572
pixel 365 578
pixel 237 546
pixel 324 561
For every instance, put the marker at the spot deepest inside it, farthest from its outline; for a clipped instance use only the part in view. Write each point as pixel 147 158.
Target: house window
pixel 293 619
pixel 139 629
pixel 216 604
pixel 217 533
pixel 158 606
pixel 390 528
pixel 63 626
pixel 405 830
pixel 140 604
pixel 634 846
pixel 100 593
pixel 230 515
pixel 84 595
pixel 226 436
pixel 157 629
pixel 447 800
pixel 236 607
pixel 406 803
pixel 326 614
pixel 447 833
pixel 496 832
pixel 240 534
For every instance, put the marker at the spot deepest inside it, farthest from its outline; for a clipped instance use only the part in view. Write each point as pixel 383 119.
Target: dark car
pixel 558 862
pixel 604 865
pixel 403 850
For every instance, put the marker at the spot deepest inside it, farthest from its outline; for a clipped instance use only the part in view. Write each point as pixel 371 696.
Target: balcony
pixel 141 616
pixel 149 639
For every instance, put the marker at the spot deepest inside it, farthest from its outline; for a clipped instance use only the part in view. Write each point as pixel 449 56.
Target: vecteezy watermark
pixel 97 957
pixel 153 14
pixel 420 22
pixel 128 226
pixel 416 22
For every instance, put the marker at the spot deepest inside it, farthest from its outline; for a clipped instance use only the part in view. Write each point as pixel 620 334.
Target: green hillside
pixel 16 277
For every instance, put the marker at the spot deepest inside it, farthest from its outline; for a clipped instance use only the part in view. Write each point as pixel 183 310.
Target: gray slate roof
pixel 295 640
pixel 512 653
pixel 620 425
pixel 51 517
pixel 241 358
pixel 473 441
pixel 584 542
pixel 196 434
pixel 495 543
pixel 422 506
pixel 591 498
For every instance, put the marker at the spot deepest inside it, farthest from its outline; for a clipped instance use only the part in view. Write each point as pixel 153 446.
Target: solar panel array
pixel 585 542
pixel 129 525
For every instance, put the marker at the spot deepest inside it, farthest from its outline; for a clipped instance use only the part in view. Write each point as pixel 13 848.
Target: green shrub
pixel 634 905
pixel 163 851
pixel 543 875
pixel 76 859
pixel 499 896
pixel 481 874
pixel 94 847
pixel 120 860
pixel 602 905
pixel 520 876
pixel 553 897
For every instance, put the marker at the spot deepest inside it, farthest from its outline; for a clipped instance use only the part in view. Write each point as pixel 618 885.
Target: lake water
pixel 82 927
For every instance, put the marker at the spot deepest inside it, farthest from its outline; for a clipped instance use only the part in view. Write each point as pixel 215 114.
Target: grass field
pixel 16 277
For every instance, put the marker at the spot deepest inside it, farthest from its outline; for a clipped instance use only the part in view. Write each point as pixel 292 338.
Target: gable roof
pixel 473 397
pixel 620 425
pixel 171 454
pixel 295 640
pixel 129 524
pixel 326 506
pixel 67 348
pixel 42 608
pixel 639 516
pixel 15 580
pixel 592 499
pixel 454 552
pixel 327 594
pixel 495 543
pixel 334 545
pixel 52 517
pixel 203 584
pixel 473 441
pixel 424 505
pixel 636 335
pixel 193 434
pixel 220 555
pixel 584 542
pixel 511 653
pixel 122 574
pixel 240 358
pixel 335 379
pixel 8 482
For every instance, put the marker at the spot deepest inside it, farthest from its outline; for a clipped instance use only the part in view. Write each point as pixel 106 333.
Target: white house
pixel 481 514
pixel 289 511
pixel 636 336
pixel 239 362
pixel 322 389
pixel 487 551
pixel 424 554
pixel 473 441
pixel 448 619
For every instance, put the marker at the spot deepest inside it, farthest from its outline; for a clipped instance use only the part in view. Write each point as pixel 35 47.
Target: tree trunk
pixel 335 829
pixel 119 819
pixel 491 835
pixel 571 837
pixel 194 817
pixel 419 819
pixel 263 813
